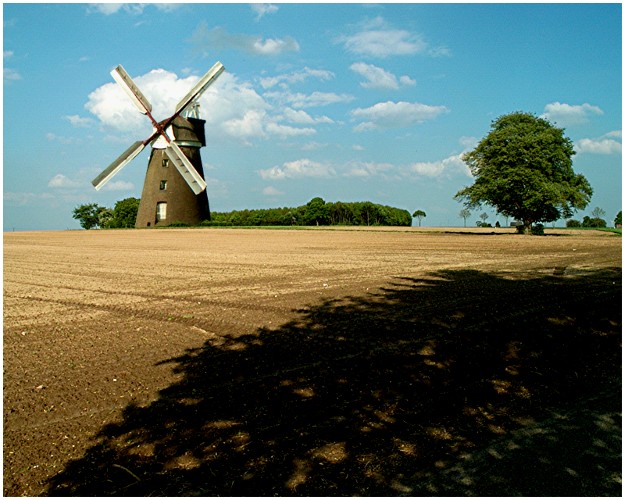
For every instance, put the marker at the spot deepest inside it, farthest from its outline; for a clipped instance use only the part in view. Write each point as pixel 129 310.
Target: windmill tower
pixel 174 189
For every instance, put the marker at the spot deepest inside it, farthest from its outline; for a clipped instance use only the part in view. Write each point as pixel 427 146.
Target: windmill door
pixel 161 211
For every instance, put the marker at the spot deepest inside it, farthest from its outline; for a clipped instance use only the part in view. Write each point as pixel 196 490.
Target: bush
pixel 593 222
pixel 573 223
pixel 538 230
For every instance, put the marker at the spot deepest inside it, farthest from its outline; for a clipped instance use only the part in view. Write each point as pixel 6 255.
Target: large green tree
pixel 524 169
pixel 125 213
pixel 89 215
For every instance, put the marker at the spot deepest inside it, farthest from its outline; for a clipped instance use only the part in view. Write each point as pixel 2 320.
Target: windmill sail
pixel 126 83
pixel 123 159
pixel 210 76
pixel 186 169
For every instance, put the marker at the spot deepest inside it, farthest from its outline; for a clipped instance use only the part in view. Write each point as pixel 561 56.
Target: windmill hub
pixel 176 194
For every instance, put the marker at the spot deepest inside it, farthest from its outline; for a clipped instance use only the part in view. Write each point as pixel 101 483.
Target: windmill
pixel 169 194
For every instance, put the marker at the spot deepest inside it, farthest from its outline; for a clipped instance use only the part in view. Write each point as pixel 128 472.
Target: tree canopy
pixel 524 169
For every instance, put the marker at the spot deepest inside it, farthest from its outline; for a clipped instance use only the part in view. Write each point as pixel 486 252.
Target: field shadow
pixel 461 383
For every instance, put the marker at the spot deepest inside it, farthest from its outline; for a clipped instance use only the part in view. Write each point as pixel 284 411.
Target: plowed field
pixel 312 362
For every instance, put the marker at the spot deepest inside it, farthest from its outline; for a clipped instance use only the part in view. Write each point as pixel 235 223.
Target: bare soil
pixel 312 362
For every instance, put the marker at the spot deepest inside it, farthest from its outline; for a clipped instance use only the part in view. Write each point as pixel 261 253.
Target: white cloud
pixel 218 38
pixel 271 191
pixel 298 169
pixel 367 169
pixel 394 114
pixel 302 118
pixel 78 121
pixel 378 78
pixel 23 199
pixel 565 115
pixel 407 81
pixel 62 181
pixel 605 145
pixel 447 166
pixel 61 139
pixel 247 126
pixel 11 75
pixel 377 38
pixel 262 9
pixel 108 9
pixel 468 142
pixel 287 131
pixel 315 99
pixel 295 77
pixel 118 186
pixel 7 54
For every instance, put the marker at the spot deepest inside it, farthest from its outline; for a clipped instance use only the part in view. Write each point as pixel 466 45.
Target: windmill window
pixel 163 185
pixel 161 211
pixel 165 162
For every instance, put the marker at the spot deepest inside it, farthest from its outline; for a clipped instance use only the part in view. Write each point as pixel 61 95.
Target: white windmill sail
pixel 125 82
pixel 123 159
pixel 186 169
pixel 204 82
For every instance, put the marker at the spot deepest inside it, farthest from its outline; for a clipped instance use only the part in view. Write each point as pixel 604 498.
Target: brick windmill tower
pixel 174 189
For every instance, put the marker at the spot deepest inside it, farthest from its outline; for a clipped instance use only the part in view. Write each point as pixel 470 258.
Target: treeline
pixel 316 213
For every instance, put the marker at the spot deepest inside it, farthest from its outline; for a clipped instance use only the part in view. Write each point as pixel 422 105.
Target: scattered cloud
pixel 205 39
pixel 298 169
pixel 315 99
pixel 61 139
pixel 108 9
pixel 11 75
pixel 234 109
pixel 262 9
pixel 23 199
pixel 378 78
pixel 62 181
pixel 284 131
pixel 376 38
pixel 394 114
pixel 566 114
pixel 607 144
pixel 367 169
pixel 79 121
pixel 445 167
pixel 295 77
pixel 118 186
pixel 299 116
pixel 272 191
pixel 468 142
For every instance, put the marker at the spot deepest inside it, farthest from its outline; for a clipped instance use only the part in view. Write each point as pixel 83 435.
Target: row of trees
pixel 595 221
pixel 316 212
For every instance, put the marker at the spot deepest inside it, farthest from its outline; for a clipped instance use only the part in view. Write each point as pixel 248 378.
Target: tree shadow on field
pixel 461 383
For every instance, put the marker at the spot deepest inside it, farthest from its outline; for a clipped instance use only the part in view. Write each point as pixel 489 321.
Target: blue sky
pixel 349 102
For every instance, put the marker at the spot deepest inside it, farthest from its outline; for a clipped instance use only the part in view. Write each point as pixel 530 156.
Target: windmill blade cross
pixel 123 159
pixel 138 99
pixel 207 80
pixel 186 169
